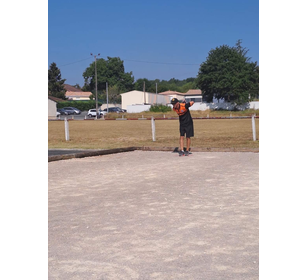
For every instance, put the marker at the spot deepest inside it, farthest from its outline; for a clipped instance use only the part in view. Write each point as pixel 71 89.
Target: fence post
pixel 253 127
pixel 153 128
pixel 67 133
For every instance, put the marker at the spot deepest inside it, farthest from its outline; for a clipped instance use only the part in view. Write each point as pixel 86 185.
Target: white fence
pixel 104 106
pixel 137 108
pixel 224 106
pixel 199 106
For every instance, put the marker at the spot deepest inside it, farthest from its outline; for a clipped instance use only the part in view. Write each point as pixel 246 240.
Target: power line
pixel 75 62
pixel 170 63
pixel 139 61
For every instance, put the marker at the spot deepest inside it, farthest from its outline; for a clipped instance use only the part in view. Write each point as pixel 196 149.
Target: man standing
pixel 186 124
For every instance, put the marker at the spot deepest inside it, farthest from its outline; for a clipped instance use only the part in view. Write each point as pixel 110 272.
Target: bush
pixel 82 105
pixel 160 108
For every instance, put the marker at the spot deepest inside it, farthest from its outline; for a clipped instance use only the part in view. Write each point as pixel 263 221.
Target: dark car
pixel 62 111
pixel 72 110
pixel 114 110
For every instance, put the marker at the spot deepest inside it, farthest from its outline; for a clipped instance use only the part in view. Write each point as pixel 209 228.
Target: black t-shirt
pixel 184 114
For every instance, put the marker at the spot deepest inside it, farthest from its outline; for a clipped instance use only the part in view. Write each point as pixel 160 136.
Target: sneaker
pixel 181 153
pixel 186 153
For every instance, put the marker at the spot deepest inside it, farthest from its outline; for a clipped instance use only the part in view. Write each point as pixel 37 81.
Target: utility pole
pixel 96 88
pixel 156 94
pixel 144 92
pixel 107 96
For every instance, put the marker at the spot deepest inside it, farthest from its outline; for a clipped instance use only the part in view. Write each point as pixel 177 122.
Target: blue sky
pixel 156 39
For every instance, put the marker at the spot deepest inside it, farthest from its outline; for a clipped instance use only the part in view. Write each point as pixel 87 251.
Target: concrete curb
pixel 90 154
pixel 130 149
pixel 253 150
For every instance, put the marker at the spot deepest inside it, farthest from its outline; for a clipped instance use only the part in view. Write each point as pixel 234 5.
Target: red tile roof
pixel 171 92
pixel 71 88
pixel 194 92
pixel 56 99
pixel 78 93
pixel 72 92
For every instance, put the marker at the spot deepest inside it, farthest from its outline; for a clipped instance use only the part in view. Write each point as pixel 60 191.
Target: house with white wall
pixel 52 106
pixel 193 95
pixel 136 97
pixel 173 94
pixel 138 101
pixel 72 93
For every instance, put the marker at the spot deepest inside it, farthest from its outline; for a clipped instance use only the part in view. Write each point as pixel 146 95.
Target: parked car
pixel 73 109
pixel 114 110
pixel 63 112
pixel 92 113
pixel 67 111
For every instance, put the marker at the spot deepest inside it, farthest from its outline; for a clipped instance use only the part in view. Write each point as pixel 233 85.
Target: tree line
pixel 227 73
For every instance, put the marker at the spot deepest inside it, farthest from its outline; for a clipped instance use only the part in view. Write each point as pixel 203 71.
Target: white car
pixel 92 113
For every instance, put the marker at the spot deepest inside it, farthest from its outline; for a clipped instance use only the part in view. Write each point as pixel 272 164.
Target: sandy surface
pixel 154 215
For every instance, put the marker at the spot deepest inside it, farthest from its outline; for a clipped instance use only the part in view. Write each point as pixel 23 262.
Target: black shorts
pixel 188 130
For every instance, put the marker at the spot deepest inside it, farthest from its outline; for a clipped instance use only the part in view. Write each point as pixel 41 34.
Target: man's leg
pixel 181 143
pixel 188 141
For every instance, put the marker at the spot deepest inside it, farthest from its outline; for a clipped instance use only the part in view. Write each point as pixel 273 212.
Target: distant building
pixel 173 94
pixel 73 93
pixel 52 106
pixel 193 95
pixel 136 97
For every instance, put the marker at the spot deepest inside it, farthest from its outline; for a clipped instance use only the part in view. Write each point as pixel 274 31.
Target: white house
pixel 193 95
pixel 136 97
pixel 173 94
pixel 52 106
pixel 138 101
pixel 72 93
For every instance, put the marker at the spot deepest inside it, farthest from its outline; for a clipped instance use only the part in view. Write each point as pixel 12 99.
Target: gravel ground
pixel 154 215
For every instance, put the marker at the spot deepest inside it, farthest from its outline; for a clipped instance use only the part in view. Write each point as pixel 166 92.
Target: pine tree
pixel 55 83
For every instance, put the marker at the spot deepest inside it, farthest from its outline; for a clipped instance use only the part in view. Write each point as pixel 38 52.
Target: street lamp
pixel 96 87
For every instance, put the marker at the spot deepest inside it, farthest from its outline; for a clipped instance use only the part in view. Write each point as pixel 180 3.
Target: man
pixel 186 124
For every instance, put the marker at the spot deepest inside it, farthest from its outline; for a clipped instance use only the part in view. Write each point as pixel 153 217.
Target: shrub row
pixel 160 108
pixel 82 105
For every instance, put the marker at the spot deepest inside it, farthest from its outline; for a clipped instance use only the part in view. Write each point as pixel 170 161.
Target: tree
pixel 77 86
pixel 114 95
pixel 140 82
pixel 55 83
pixel 172 84
pixel 228 74
pixel 111 71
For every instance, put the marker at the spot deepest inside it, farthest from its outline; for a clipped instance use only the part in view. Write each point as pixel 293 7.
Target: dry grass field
pixel 108 134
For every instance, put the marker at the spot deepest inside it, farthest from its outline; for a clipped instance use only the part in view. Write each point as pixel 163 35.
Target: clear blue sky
pixel 176 35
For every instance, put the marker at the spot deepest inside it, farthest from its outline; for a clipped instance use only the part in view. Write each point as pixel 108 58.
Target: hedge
pixel 82 105
pixel 160 108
